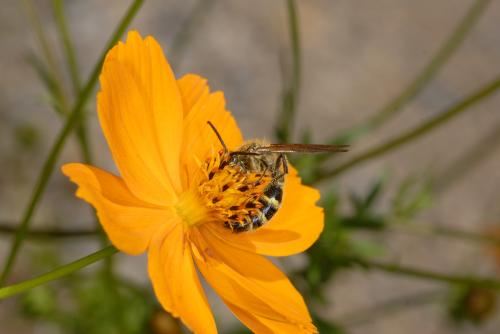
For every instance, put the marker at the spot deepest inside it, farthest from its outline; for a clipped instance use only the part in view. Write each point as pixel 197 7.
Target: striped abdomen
pixel 270 200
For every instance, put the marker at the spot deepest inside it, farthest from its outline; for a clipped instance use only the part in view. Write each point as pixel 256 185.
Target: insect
pixel 266 165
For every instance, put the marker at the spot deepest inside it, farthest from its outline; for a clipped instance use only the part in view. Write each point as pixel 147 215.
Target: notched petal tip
pixel 199 142
pixel 134 35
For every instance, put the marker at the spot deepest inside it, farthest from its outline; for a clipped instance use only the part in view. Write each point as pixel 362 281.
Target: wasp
pixel 265 162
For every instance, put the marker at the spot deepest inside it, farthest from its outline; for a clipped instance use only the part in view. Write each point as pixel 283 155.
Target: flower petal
pixel 193 88
pixel 128 221
pixel 252 287
pixel 140 111
pixel 262 325
pixel 199 140
pixel 175 280
pixel 295 227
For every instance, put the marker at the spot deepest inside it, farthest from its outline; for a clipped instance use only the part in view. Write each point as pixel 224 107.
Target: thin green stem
pixel 62 27
pixel 49 234
pixel 417 131
pixel 71 121
pixel 397 269
pixel 63 105
pixel 467 161
pixel 81 130
pixel 60 272
pixel 448 232
pixel 291 92
pixel 447 49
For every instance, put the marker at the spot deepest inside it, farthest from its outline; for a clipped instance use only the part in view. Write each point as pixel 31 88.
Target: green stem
pixel 81 130
pixel 62 27
pixel 443 231
pixel 444 53
pixel 58 7
pixel 63 106
pixel 427 275
pixel 65 270
pixel 71 121
pixel 83 141
pixel 8 228
pixel 417 131
pixel 291 91
pixel 468 161
pixel 55 76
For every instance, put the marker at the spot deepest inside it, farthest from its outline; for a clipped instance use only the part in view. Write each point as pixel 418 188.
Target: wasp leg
pixel 282 162
pixel 266 169
pixel 277 178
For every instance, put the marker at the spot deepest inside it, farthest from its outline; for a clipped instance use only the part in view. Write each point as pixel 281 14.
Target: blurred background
pixel 409 84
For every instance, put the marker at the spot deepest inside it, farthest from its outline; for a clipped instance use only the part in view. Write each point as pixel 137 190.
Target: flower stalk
pixel 60 272
pixel 398 269
pixel 49 234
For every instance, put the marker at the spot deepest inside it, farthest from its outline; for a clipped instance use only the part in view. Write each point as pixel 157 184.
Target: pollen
pixel 226 194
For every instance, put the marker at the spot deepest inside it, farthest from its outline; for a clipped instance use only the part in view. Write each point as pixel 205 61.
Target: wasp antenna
pixel 218 135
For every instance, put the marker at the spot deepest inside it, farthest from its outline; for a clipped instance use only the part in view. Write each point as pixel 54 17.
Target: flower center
pixel 226 194
pixel 192 209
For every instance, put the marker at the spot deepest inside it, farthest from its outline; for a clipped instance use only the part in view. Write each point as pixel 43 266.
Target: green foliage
pixel 365 211
pixel 413 195
pixel 91 304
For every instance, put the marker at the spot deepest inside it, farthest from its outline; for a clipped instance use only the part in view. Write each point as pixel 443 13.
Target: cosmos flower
pixel 171 198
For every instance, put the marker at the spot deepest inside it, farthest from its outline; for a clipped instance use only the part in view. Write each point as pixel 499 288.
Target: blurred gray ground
pixel 357 55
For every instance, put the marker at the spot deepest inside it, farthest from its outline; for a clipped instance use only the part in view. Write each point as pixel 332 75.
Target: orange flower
pixel 156 128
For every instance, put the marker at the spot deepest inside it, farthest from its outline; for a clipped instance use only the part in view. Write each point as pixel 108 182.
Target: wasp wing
pixel 302 148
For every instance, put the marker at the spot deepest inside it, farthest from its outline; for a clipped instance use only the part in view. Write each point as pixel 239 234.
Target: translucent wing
pixel 302 148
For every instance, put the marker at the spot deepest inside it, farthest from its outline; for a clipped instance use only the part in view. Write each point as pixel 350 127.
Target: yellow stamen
pixel 230 194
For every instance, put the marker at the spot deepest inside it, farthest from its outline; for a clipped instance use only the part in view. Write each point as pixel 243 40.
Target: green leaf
pixel 413 195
